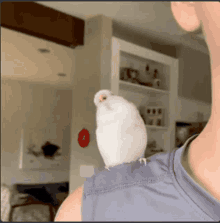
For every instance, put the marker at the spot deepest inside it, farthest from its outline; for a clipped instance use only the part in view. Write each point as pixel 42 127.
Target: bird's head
pixel 112 108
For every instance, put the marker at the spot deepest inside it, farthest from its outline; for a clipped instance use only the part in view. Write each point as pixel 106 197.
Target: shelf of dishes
pixel 153 117
pixel 148 79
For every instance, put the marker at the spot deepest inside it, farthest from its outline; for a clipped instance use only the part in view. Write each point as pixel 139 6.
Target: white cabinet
pixel 144 91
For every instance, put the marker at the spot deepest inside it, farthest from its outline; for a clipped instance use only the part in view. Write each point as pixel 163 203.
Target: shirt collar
pixel 199 195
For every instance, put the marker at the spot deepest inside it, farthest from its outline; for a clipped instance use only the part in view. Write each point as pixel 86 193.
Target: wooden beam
pixel 43 22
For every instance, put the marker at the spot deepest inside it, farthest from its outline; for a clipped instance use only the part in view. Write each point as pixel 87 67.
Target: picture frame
pixel 40 152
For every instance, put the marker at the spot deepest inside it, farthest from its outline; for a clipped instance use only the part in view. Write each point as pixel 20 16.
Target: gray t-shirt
pixel 160 191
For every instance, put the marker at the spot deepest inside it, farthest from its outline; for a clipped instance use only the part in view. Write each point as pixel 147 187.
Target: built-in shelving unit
pixel 139 88
pixel 132 67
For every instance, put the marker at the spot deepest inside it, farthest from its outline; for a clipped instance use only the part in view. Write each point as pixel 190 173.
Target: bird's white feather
pixel 121 133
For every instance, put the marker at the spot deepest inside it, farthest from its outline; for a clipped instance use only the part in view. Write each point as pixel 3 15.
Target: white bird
pixel 121 133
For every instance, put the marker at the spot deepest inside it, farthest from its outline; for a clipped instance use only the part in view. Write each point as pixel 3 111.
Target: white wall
pixel 186 110
pixel 34 97
pixel 194 75
pixel 28 105
pixel 92 73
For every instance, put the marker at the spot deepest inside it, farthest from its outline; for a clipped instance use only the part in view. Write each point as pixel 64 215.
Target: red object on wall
pixel 83 138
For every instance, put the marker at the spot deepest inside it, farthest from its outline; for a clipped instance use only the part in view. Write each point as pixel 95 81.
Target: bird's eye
pixel 103 98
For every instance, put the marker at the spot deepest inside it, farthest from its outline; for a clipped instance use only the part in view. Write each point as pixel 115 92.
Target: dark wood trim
pixel 43 22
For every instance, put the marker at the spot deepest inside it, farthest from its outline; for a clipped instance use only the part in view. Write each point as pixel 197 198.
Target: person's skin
pixel 203 159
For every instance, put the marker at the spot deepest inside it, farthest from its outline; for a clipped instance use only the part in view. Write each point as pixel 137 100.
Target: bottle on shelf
pixel 155 73
pixel 129 74
pixel 156 81
pixel 145 78
pixel 147 68
pixel 149 77
pixel 153 114
pixel 133 74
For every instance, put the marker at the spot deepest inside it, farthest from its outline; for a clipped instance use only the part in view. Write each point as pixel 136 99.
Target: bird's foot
pixel 107 168
pixel 143 159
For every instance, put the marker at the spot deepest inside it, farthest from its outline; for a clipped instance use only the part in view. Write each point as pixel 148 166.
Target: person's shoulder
pixel 70 210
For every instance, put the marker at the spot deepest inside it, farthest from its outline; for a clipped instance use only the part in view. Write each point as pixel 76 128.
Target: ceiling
pixel 148 18
pixel 22 60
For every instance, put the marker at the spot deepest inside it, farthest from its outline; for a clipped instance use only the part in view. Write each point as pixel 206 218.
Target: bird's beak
pixel 101 98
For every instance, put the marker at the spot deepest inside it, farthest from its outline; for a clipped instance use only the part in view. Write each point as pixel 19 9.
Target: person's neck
pixel 202 160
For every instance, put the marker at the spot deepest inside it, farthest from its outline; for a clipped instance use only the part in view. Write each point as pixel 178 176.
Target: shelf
pixel 140 88
pixel 129 55
pixel 156 127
